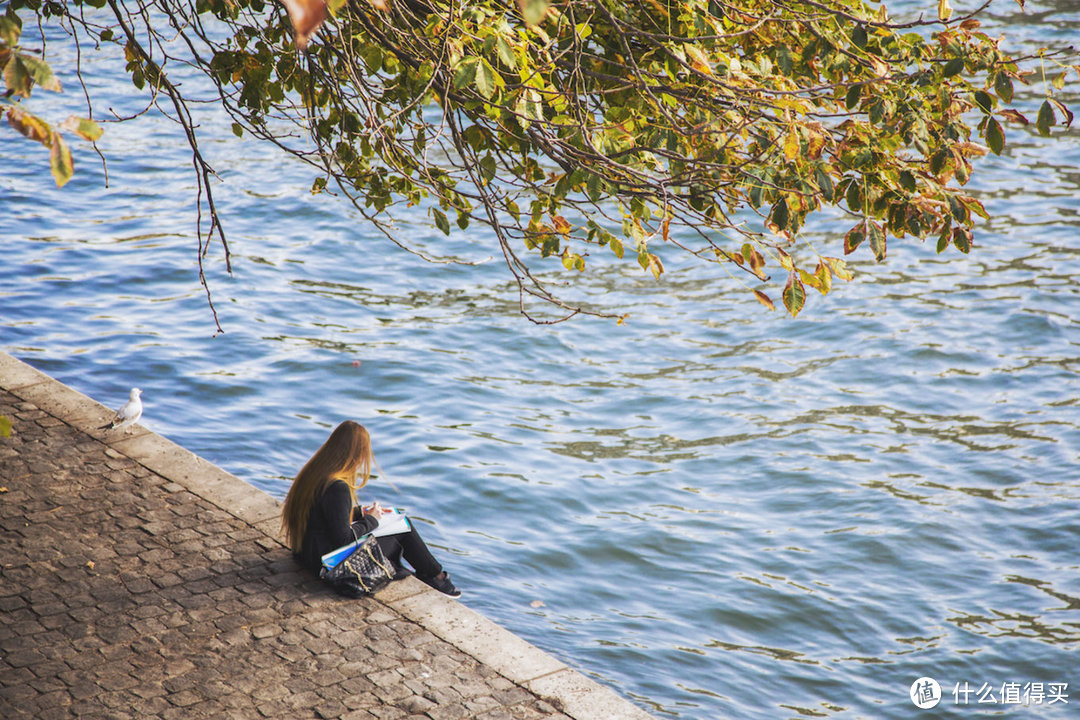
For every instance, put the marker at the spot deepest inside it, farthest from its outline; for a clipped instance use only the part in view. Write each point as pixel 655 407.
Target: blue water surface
pixel 716 510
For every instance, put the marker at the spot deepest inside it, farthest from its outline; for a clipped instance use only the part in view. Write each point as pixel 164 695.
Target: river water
pixel 715 510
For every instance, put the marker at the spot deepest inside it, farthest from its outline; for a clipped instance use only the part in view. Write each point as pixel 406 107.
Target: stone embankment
pixel 137 579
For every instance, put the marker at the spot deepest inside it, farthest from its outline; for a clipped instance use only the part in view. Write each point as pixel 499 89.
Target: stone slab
pixel 584 699
pixel 489 643
pixel 62 401
pixel 15 374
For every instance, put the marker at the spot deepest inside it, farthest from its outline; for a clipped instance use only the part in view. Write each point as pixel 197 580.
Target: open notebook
pixel 393 522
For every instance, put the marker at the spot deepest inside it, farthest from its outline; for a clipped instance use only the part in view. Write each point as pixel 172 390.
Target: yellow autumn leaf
pixel 944 10
pixel 656 266
pixel 791 143
pixel 698 60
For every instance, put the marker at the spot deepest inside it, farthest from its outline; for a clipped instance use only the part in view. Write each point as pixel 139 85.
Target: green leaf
pixel 780 214
pixel 488 167
pixel 944 239
pixel 907 181
pixel 957 209
pixel 60 160
pixel 995 136
pixel 41 73
pixel 961 238
pixel 1046 119
pixel 86 129
pixel 10 29
pixel 937 161
pixel 852 97
pixel 1004 87
pixel 858 36
pixel 854 238
pixel 440 221
pixel 506 53
pixel 984 101
pixel 17 76
pixel 877 241
pixel 854 197
pixel 954 67
pixel 784 61
pixel 487 80
pixel 373 57
pixel 465 72
pixel 794 294
pixel 824 183
pixel 594 187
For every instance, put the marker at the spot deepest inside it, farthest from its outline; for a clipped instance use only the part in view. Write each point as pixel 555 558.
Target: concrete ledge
pixel 584 699
pixel 512 657
pixel 14 373
pixel 473 633
pixel 59 400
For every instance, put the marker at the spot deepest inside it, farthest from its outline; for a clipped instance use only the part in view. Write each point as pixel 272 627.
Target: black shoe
pixel 441 582
pixel 401 573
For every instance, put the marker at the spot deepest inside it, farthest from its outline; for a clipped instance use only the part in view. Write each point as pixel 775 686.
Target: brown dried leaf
pixel 971 149
pixel 562 225
pixel 1015 117
pixel 764 299
pixel 29 125
pixel 306 16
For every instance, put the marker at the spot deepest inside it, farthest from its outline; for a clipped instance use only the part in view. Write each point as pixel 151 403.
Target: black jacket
pixel 328 526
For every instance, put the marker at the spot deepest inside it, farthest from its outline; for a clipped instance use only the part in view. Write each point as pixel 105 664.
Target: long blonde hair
pixel 345 455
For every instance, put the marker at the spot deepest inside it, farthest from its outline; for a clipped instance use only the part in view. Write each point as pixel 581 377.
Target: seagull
pixel 127 415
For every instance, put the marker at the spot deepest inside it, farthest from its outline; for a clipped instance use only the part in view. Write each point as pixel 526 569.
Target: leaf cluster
pixel 577 129
pixel 22 70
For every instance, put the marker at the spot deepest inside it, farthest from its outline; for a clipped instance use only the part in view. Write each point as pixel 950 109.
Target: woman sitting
pixel 321 510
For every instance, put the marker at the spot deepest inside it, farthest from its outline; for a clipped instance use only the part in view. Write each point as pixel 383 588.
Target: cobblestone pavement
pixel 125 595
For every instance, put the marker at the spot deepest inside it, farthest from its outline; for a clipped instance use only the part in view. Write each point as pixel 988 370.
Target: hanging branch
pixel 578 128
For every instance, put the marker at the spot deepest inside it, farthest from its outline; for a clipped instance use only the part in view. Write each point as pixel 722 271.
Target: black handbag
pixel 365 571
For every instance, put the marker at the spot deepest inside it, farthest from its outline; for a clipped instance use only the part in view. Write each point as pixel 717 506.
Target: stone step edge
pixel 569 691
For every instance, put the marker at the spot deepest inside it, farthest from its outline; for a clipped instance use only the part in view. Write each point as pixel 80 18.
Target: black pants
pixel 415 551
